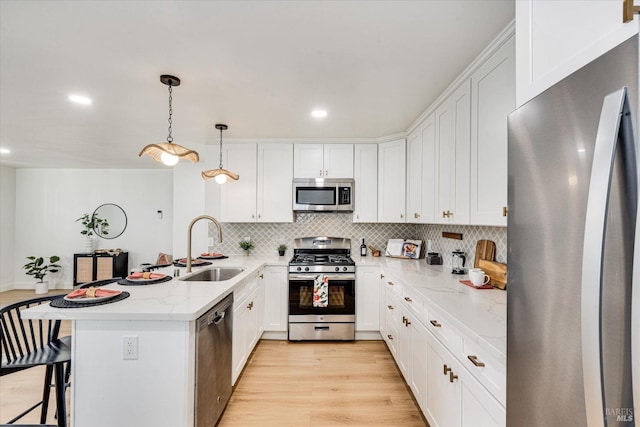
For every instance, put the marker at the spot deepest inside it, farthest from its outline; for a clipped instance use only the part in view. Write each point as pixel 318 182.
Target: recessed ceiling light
pixel 4 150
pixel 79 99
pixel 319 114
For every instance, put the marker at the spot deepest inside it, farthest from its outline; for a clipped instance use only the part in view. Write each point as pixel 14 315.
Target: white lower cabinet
pixel 454 398
pixel 435 361
pixel 275 284
pixel 247 324
pixel 367 298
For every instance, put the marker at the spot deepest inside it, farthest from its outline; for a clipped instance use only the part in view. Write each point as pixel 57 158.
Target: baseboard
pixel 368 335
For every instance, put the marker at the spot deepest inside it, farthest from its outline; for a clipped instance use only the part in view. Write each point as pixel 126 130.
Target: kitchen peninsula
pixel 157 388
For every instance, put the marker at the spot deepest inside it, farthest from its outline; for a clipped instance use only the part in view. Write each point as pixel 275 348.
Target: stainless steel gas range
pixel 322 290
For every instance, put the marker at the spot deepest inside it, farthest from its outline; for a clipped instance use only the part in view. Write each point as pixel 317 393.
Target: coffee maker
pixel 458 259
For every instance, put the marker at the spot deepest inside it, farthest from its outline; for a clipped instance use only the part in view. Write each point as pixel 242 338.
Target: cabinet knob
pixel 326 173
pixel 475 361
pixel 320 173
pixel 435 323
pixel 505 211
pixel 446 370
pixel 259 216
pixel 401 216
pixel 416 215
pixel 407 299
pixel 452 377
pixel 390 336
pixel 357 216
pixel 252 216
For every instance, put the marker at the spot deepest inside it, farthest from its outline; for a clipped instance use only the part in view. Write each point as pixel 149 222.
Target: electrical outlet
pixel 130 347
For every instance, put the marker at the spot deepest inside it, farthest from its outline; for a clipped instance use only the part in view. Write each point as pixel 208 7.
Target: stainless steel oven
pixel 322 295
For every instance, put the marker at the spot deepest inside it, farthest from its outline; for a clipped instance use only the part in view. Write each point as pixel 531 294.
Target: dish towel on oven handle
pixel 321 291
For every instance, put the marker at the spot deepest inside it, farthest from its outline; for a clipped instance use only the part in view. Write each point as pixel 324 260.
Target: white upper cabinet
pixel 275 178
pixel 453 137
pixel 391 181
pixel 238 198
pixel 323 161
pixel 365 173
pixel 556 38
pixel 493 95
pixel 264 191
pixel 421 172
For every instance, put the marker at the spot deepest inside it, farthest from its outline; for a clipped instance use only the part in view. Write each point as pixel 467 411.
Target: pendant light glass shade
pixel 168 152
pixel 220 175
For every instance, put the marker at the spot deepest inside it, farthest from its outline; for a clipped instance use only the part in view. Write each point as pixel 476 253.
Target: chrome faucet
pixel 196 219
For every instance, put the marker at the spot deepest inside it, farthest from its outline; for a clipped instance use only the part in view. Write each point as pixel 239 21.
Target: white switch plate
pixel 130 347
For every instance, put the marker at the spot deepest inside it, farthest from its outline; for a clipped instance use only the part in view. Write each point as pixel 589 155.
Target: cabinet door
pixel 429 169
pixel 367 299
pixel 338 160
pixel 238 198
pixel 308 161
pixel 443 394
pixel 391 181
pixel 414 176
pixel 418 356
pixel 254 319
pixel 453 129
pixel 556 38
pixel 275 298
pixel 275 175
pixel 479 408
pixel 239 346
pixel 493 94
pixel 404 342
pixel 365 173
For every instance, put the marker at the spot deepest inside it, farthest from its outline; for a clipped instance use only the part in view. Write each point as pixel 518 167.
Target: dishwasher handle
pixel 217 318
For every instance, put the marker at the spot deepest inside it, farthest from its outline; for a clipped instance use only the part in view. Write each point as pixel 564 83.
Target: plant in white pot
pixel 91 223
pixel 246 246
pixel 37 268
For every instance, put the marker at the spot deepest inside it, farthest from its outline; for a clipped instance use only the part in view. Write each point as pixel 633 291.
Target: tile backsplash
pixel 267 236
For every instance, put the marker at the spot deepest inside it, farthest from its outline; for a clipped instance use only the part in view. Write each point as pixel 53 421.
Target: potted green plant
pixel 37 268
pixel 246 245
pixel 90 223
pixel 281 248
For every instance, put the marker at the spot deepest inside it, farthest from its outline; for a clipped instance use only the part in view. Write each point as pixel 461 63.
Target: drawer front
pixel 414 303
pixel 444 331
pixel 392 306
pixel 486 369
pixel 393 284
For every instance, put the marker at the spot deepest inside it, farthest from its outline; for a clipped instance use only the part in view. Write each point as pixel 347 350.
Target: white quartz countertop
pixel 479 313
pixel 476 312
pixel 176 300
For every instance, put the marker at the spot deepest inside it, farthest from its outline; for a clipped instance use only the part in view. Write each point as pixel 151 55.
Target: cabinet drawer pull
pixel 390 307
pixel 435 323
pixel 404 320
pixel 407 323
pixel 416 215
pixel 445 370
pixel 261 276
pixel 390 283
pixel 452 377
pixel 381 276
pixel 407 299
pixel 475 361
pixel 390 336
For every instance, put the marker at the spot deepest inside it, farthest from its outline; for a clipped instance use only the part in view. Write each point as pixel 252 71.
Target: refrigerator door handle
pixel 615 117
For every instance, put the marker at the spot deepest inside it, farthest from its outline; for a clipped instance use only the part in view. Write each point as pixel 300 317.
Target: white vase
pixel 42 287
pixel 88 244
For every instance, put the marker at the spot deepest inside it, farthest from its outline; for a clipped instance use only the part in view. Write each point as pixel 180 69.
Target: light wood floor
pixel 321 384
pixel 283 384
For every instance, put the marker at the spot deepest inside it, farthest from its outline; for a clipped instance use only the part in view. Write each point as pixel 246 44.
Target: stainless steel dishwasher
pixel 213 362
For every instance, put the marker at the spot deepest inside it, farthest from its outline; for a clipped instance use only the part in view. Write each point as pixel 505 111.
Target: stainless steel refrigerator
pixel 573 327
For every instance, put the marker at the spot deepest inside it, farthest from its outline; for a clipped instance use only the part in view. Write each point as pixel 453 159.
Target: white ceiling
pixel 258 66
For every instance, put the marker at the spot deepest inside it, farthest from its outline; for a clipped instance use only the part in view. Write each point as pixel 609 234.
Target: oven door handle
pixel 312 276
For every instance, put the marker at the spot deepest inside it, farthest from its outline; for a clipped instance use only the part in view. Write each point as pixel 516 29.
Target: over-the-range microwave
pixel 323 194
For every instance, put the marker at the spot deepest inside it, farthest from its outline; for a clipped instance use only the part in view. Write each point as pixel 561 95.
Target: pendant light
pixel 168 152
pixel 220 174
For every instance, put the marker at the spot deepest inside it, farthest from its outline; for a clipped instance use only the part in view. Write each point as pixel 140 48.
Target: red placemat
pixel 469 283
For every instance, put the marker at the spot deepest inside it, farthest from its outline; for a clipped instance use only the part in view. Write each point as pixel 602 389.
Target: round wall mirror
pixel 115 217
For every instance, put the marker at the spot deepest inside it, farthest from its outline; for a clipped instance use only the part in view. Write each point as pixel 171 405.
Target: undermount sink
pixel 217 274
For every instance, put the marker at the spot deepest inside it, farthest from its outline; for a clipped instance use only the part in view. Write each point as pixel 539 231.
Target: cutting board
pixel 485 249
pixel 497 271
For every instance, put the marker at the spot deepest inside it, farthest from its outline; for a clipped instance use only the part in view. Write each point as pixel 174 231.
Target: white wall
pixel 48 201
pixel 7 224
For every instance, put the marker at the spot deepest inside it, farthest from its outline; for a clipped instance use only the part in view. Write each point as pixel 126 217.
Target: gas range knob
pixel 299 268
pixel 337 268
pixel 306 269
pixel 344 268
